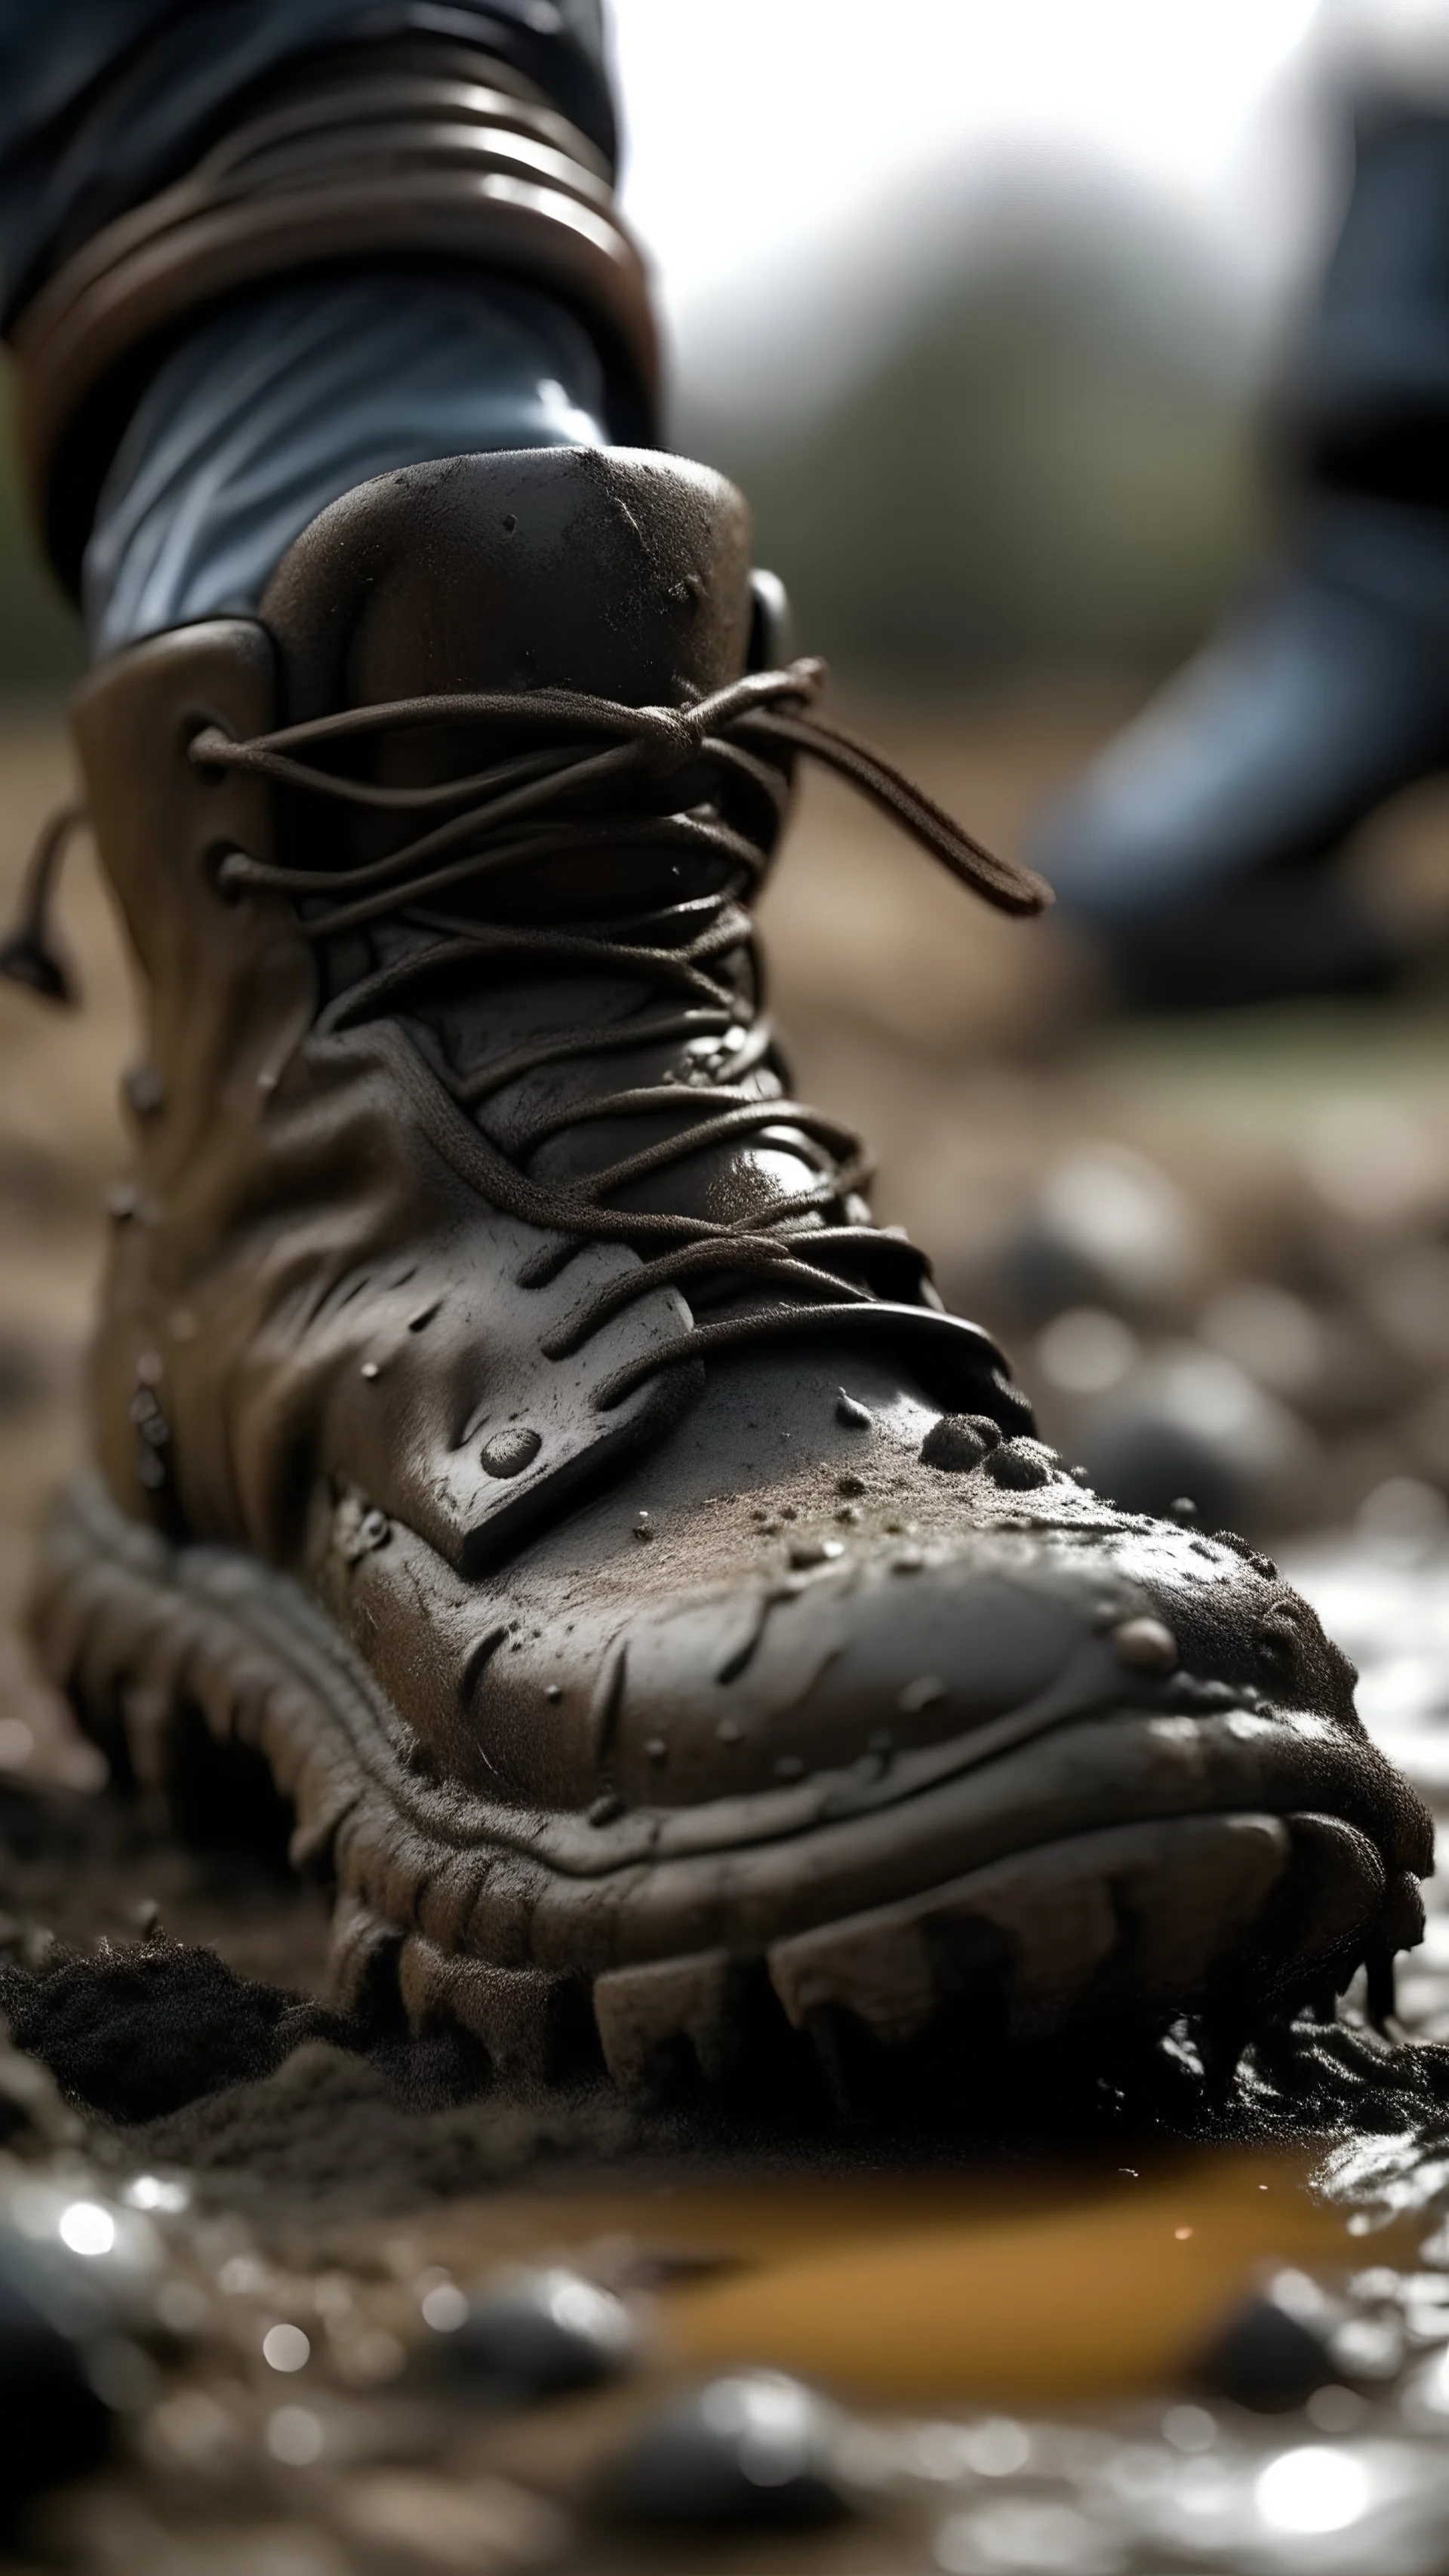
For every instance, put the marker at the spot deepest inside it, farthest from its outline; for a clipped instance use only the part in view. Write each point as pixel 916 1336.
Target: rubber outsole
pixel 1106 1879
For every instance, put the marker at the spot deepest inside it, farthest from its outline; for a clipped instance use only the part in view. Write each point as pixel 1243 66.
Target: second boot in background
pixel 1199 854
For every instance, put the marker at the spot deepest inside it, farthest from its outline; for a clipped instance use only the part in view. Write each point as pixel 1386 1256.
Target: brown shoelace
pixel 604 786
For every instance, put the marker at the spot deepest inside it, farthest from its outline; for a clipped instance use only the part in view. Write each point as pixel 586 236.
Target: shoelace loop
pixel 605 782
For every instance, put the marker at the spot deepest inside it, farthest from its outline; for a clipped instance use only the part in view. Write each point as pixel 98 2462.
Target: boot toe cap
pixel 914 1639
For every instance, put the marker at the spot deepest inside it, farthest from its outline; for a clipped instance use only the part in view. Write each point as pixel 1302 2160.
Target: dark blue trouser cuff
pixel 277 405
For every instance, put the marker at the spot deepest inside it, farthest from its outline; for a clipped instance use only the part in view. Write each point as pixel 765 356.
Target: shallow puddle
pixel 1098 2289
pixel 1053 2288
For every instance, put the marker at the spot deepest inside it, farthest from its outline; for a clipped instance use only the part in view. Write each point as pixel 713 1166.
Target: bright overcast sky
pixel 757 129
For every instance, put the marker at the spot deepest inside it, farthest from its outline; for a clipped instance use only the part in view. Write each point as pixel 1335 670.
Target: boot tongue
pixel 611 570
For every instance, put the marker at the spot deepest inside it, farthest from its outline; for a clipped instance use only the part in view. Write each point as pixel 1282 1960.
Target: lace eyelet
pixel 227 884
pixel 195 729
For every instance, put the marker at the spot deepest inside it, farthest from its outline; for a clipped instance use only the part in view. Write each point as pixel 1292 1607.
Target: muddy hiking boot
pixel 513 1433
pixel 1202 854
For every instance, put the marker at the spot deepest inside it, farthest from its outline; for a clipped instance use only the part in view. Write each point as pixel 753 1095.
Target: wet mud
pixel 1099 2312
pixel 161 2039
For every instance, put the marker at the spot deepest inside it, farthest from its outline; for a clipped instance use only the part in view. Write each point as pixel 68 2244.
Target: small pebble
pixel 754 2449
pixel 854 1415
pixel 815 1551
pixel 536 2335
pixel 1019 1465
pixel 1147 1643
pixel 53 2425
pixel 1263 2358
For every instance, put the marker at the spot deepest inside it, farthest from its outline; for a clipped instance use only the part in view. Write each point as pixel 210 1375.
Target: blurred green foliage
pixel 41 646
pixel 1049 466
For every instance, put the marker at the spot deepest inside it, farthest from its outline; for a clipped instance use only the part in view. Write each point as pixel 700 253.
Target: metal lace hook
pixel 29 954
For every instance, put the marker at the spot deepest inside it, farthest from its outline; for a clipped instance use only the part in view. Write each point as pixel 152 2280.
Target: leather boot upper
pixel 480 1272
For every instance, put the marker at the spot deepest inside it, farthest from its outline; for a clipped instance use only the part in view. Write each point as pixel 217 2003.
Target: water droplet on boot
pixel 510 1450
pixel 923 1692
pixel 1148 1643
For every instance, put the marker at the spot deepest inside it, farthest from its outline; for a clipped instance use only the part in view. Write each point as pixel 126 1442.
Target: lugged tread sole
pixel 444 1909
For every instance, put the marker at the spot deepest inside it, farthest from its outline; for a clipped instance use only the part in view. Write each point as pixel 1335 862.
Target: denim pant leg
pixel 285 398
pixel 104 101
pixel 281 402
